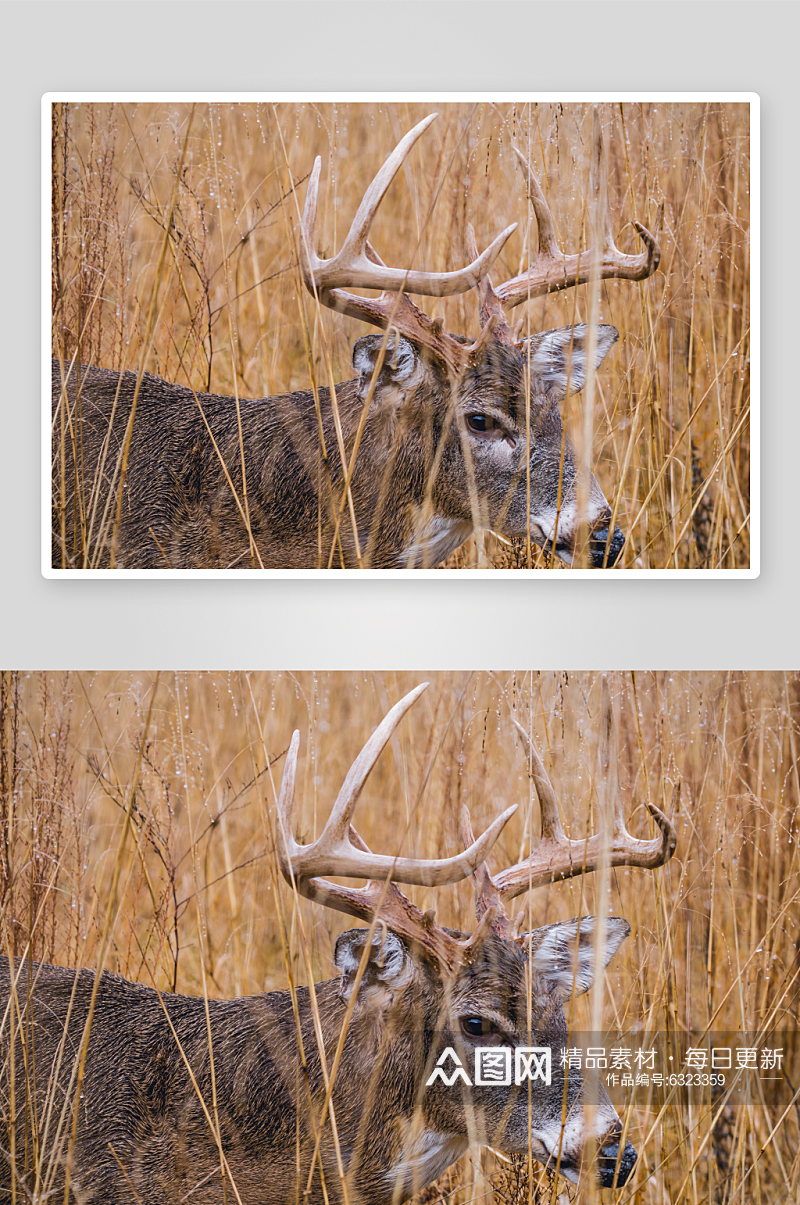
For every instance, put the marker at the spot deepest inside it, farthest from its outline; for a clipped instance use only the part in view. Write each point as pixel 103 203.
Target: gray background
pixel 366 46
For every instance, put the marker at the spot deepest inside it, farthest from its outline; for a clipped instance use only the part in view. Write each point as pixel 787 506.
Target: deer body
pixel 181 512
pixel 441 434
pixel 179 509
pixel 418 451
pixel 137 1095
pixel 140 1110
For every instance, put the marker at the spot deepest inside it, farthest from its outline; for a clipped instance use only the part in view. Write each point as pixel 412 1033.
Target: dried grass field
pixel 138 827
pixel 175 235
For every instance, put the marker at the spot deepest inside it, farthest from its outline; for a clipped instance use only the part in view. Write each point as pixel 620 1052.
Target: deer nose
pixel 605 546
pixel 610 1161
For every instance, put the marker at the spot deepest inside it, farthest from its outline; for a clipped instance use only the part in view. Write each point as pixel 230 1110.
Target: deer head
pixel 482 415
pixel 424 992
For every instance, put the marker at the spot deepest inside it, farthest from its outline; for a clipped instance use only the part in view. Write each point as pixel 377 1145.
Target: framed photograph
pixel 375 936
pixel 470 334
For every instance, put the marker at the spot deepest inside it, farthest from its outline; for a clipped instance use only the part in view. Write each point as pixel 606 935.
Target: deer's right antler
pixel 556 857
pixel 551 269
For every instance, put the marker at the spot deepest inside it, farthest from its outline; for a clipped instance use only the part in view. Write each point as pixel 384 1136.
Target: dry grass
pixel 715 933
pixel 671 444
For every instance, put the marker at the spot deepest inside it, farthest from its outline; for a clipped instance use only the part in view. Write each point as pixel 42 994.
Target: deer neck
pixel 402 524
pixel 391 1143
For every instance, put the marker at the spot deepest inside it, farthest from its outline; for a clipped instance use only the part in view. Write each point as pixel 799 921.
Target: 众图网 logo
pixel 493 1066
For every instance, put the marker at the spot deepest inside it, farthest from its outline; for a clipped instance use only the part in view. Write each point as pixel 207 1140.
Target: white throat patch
pixel 435 542
pixel 424 1159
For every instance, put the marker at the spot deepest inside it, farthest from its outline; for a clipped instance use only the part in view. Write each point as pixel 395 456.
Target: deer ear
pixel 559 358
pixel 400 371
pixel 565 952
pixel 389 967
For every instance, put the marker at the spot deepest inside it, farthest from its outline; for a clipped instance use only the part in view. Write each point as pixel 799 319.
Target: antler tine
pixel 550 815
pixel 487 897
pixel 465 827
pixel 309 220
pixel 650 241
pixel 607 752
pixel 491 311
pixel 286 843
pixel 546 230
pixel 339 822
pixel 598 176
pixel 365 214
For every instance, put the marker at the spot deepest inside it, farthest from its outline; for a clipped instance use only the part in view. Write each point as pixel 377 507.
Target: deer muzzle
pixel 605 546
pixel 614 1168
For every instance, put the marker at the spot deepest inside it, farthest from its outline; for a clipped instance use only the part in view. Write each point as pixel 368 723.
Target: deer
pixel 329 1093
pixel 435 437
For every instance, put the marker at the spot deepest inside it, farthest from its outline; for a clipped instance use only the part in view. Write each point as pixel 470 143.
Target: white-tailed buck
pixel 327 1095
pixel 435 437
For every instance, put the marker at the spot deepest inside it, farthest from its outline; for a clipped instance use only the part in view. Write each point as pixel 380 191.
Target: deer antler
pixel 552 270
pixel 357 265
pixel 556 857
pixel 353 267
pixel 340 851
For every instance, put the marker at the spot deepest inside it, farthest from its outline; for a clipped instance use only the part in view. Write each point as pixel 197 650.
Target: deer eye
pixel 477 1027
pixel 481 423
